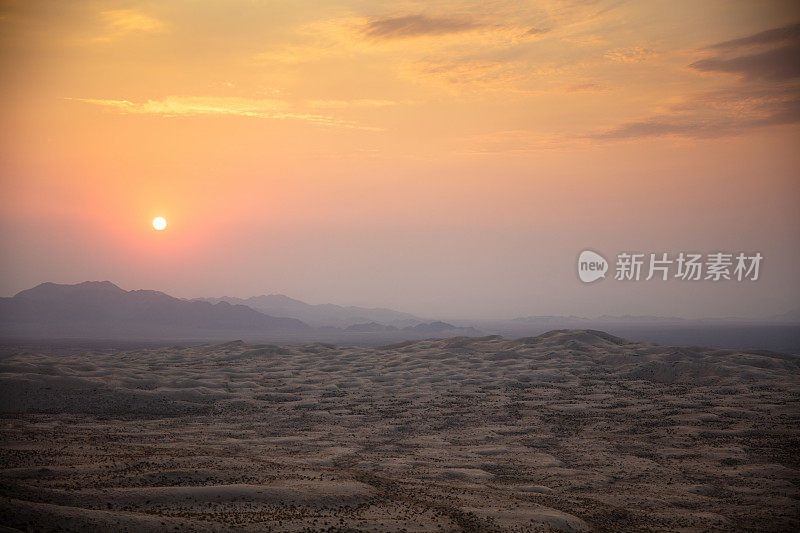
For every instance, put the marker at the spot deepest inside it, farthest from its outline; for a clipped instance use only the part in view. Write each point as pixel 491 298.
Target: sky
pixel 445 158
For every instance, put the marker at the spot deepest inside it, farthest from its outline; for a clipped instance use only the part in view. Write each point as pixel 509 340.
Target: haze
pixel 440 158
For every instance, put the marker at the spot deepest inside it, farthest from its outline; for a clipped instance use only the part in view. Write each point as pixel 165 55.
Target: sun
pixel 159 223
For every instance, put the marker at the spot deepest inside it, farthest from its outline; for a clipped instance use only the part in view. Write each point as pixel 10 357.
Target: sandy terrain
pixel 570 430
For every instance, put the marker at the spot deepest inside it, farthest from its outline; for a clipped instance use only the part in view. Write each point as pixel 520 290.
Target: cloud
pixel 778 64
pixel 660 128
pixel 716 114
pixel 775 35
pixel 766 93
pixel 699 129
pixel 478 74
pixel 536 31
pixel 120 22
pixel 635 54
pixel 771 55
pixel 418 25
pixel 294 54
pixel 447 50
pixel 335 104
pixel 589 87
pixel 177 106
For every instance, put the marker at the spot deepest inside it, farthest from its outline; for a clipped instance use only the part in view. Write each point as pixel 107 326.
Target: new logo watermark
pixel 685 266
pixel 591 266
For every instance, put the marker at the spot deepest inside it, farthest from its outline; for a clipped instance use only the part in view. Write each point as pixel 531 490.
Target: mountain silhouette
pixel 101 309
pixel 322 314
pixel 438 327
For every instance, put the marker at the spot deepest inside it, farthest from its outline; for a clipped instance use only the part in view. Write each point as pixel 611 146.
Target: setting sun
pixel 159 223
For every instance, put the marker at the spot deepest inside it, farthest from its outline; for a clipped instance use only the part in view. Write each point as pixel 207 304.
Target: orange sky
pixel 444 158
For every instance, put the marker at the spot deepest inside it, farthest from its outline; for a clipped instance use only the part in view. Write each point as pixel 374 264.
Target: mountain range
pixel 102 310
pixel 321 315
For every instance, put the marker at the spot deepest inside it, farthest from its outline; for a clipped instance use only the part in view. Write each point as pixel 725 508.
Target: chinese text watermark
pixel 685 266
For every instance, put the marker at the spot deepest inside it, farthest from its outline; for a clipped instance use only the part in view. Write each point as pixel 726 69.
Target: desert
pixel 571 430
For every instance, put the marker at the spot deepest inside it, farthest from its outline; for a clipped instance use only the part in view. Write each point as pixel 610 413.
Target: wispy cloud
pixel 339 104
pixel 294 54
pixel 778 64
pixel 467 49
pixel 588 87
pixel 180 106
pixel 537 31
pixel 418 25
pixel 771 55
pixel 775 35
pixel 635 54
pixel 476 74
pixel 716 114
pixel 120 22
pixel 766 92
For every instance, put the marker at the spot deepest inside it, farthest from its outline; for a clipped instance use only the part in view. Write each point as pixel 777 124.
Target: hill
pixel 321 314
pixel 95 309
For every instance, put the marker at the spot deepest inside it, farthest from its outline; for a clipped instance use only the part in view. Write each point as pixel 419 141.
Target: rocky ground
pixel 570 430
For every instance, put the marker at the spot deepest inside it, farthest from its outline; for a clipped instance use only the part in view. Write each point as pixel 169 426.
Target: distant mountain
pixel 100 309
pixel 792 317
pixel 322 314
pixel 439 328
pixel 603 319
pixel 548 319
pixel 639 319
pixel 428 329
pixel 370 327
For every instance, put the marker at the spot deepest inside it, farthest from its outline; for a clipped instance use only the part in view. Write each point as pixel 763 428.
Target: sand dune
pixel 569 430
